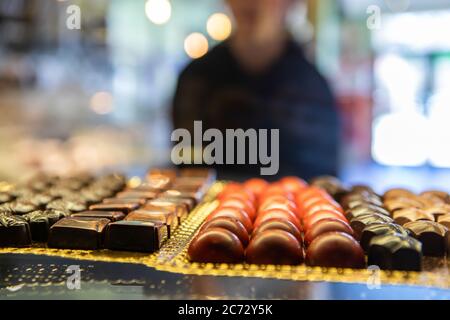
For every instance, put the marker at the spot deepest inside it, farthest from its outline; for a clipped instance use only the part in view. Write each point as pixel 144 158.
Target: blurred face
pixel 248 14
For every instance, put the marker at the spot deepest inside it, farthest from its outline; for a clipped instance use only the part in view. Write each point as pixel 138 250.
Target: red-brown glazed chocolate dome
pixel 277 224
pixel 216 245
pixel 245 205
pixel 293 184
pixel 274 247
pixel 277 214
pixel 335 249
pixel 320 215
pixel 256 186
pixel 230 224
pixel 234 213
pixel 324 226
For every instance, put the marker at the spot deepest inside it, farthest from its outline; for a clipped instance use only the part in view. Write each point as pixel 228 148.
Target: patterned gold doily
pixel 173 258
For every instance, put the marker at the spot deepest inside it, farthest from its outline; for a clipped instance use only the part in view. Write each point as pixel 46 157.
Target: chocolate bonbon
pixel 112 216
pixel 78 233
pixel 167 218
pixel 216 245
pixel 14 232
pixel 379 229
pixel 277 224
pixel 122 207
pixel 146 236
pixel 274 247
pixel 432 236
pixel 324 226
pixel 393 252
pixel 230 224
pixel 335 249
pixel 359 223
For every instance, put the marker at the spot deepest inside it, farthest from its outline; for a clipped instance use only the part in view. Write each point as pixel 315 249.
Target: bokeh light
pixel 158 11
pixel 196 45
pixel 102 102
pixel 219 26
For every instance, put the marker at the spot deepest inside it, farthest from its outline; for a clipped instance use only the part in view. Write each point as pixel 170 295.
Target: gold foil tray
pixel 173 258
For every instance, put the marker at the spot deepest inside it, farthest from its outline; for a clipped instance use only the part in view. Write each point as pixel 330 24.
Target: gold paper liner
pixel 173 258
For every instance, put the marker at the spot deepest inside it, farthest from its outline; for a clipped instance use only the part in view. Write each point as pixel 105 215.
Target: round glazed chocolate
pixel 274 247
pixel 277 214
pixel 277 224
pixel 216 245
pixel 234 213
pixel 309 221
pixel 335 249
pixel 245 205
pixel 256 186
pixel 327 225
pixel 293 184
pixel 230 224
pixel 277 202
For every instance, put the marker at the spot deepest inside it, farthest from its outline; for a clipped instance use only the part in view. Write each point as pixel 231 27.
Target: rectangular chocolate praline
pixel 132 194
pixel 78 233
pixel 189 203
pixel 181 209
pixel 141 201
pixel 168 218
pixel 195 196
pixel 14 232
pixel 112 216
pixel 136 236
pixel 122 207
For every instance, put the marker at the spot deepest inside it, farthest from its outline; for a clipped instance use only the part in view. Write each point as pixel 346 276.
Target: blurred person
pixel 259 78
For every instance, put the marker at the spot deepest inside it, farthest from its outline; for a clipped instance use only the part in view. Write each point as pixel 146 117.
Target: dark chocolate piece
pixel 378 229
pixel 130 194
pixel 146 236
pixel 5 197
pixel 189 203
pixel 394 252
pixel 445 221
pixel 181 209
pixel 195 196
pixel 431 234
pixel 359 223
pixel 403 216
pixel 365 209
pixel 78 233
pixel 112 216
pixel 167 217
pixel 20 207
pixel 14 231
pixel 122 207
pixel 67 205
pixel 438 210
pixel 398 193
pixel 141 201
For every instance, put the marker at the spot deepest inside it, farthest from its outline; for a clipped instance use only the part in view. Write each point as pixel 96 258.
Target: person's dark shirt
pixel 291 96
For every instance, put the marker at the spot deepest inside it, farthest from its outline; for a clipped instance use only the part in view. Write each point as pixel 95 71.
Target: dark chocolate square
pixel 136 236
pixel 78 233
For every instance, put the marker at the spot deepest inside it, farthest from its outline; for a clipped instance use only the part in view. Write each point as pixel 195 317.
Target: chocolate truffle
pixel 335 249
pixel 14 231
pixel 379 229
pixel 230 224
pixel 395 252
pixel 277 224
pixel 216 245
pixel 327 225
pixel 274 247
pixel 403 216
pixel 431 235
pixel 359 223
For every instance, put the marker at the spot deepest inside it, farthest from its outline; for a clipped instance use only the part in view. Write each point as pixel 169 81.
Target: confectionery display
pixel 92 213
pixel 189 221
pixel 287 223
